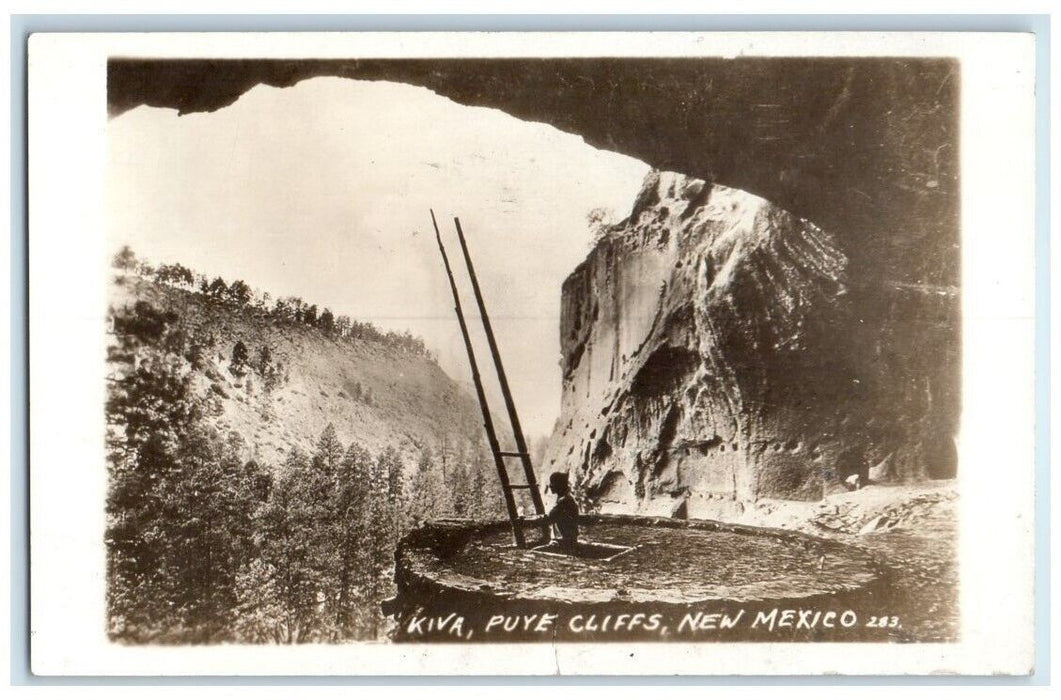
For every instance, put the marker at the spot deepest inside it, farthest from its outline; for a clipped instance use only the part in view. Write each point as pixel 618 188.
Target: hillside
pixel 264 458
pixel 371 391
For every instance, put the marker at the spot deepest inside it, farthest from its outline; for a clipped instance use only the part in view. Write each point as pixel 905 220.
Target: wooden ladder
pixel 507 487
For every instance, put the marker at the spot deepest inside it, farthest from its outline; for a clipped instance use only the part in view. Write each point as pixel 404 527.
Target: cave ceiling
pixel 865 147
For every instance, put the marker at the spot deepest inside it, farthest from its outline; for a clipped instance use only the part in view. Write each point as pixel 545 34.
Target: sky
pixel 322 190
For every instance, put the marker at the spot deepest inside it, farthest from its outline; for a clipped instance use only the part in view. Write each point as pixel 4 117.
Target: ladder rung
pixel 520 486
pixel 513 454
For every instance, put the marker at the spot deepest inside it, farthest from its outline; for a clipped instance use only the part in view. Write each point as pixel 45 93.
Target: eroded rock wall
pixel 716 351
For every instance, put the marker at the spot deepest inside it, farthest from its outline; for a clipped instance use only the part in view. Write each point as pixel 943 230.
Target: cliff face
pixel 715 351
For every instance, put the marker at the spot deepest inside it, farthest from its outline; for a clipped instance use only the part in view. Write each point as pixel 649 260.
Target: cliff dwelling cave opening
pixel 664 372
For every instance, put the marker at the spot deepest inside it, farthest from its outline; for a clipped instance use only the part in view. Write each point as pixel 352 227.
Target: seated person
pixel 564 515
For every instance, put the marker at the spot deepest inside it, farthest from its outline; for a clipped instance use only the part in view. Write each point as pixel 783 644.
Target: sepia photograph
pixel 492 349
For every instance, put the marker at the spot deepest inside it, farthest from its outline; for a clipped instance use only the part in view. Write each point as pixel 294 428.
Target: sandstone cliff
pixel 716 351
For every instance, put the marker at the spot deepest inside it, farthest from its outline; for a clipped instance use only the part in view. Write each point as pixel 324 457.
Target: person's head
pixel 558 484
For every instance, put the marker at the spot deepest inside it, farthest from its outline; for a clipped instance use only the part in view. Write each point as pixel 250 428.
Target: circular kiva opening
pixel 635 559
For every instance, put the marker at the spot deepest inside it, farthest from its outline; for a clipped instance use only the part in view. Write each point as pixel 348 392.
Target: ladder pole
pixel 488 424
pixel 510 405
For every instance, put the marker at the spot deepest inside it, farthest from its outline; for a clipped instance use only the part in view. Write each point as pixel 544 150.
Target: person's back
pixel 564 519
pixel 564 515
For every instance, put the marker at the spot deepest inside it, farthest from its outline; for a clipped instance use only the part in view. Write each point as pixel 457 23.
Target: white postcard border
pixel 67 127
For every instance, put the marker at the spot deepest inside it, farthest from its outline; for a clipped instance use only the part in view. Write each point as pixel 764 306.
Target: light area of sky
pixel 322 191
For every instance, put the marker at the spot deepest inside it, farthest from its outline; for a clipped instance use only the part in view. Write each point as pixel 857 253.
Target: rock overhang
pixel 866 147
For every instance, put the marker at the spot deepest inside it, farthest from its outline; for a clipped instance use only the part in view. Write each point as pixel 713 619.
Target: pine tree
pixel 265 359
pixel 479 486
pixel 489 502
pixel 240 358
pixel 125 259
pixel 384 520
pixel 239 292
pixel 459 488
pixel 327 321
pixel 355 543
pixel 209 535
pixel 289 551
pixel 396 492
pixel 424 489
pixel 217 289
pixel 329 454
pixel 322 494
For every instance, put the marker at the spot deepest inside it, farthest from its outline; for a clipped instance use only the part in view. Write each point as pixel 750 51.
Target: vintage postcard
pixel 531 353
